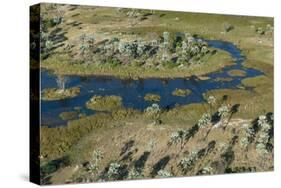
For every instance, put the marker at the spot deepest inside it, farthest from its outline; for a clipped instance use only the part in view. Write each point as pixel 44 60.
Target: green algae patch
pixel 104 103
pixel 236 72
pixel 52 94
pixel 152 97
pixel 181 92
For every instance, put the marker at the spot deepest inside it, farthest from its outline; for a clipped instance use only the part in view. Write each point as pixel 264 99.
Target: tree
pixel 97 156
pixel 204 120
pixel 187 162
pixel 61 81
pixel 179 137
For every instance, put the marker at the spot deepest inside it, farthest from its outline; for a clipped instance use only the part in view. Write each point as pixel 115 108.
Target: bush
pixel 153 111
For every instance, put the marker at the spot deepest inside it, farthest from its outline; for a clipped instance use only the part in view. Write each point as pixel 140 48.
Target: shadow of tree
pixel 51 167
pixel 240 169
pixel 227 157
pixel 160 165
pixel 140 163
pixel 234 109
pixel 127 146
pixel 208 149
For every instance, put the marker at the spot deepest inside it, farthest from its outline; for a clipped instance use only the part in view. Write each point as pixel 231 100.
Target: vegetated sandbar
pixel 61 66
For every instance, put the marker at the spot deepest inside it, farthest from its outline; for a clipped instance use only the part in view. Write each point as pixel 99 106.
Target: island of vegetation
pixel 104 103
pixel 52 94
pixel 152 97
pixel 181 92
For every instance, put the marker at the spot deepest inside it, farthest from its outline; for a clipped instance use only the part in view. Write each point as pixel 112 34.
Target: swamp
pixel 136 94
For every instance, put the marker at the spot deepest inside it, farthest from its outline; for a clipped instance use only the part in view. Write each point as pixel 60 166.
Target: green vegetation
pixel 52 94
pixel 152 97
pixel 181 92
pixel 104 103
pixel 203 149
pixel 256 81
pixel 239 73
pixel 232 131
pixel 68 115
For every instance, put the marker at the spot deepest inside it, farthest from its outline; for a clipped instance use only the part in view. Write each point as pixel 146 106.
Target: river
pixel 133 91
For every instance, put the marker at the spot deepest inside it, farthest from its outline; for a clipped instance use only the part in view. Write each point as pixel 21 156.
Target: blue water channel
pixel 133 91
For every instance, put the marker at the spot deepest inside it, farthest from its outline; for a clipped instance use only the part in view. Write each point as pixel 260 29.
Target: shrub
pixel 207 170
pixel 114 171
pixel 153 112
pixel 227 27
pixel 135 174
pixel 187 162
pixel 164 173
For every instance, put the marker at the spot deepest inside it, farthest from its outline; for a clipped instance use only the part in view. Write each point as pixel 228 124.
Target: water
pixel 133 91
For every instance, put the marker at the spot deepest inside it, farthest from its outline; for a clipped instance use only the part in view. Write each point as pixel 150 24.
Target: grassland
pixel 104 103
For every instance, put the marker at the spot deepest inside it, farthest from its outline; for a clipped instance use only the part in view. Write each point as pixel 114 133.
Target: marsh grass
pixel 104 103
pixel 51 94
pixel 68 115
pixel 152 97
pixel 181 92
pixel 239 73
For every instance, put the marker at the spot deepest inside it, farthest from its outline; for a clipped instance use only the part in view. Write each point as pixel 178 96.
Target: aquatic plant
pixel 152 97
pixel 181 92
